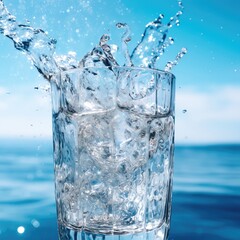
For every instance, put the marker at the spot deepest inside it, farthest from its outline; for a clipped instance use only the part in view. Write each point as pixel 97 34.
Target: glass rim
pixel 120 67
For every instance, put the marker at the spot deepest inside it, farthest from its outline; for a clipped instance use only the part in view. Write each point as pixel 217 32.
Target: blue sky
pixel 208 78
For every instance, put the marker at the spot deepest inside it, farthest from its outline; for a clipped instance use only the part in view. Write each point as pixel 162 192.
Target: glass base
pixel 66 233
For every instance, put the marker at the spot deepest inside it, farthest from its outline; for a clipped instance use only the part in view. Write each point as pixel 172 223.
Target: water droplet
pixel 180 4
pixel 171 40
pixel 114 48
pixel 20 229
pixel 184 50
pixel 120 25
pixel 35 223
pixel 104 39
pixel 171 64
pixel 161 16
pixel 179 13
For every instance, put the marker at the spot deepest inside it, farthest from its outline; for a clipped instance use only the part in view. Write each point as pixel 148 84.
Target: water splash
pixel 179 56
pixel 126 37
pixel 152 44
pixel 175 20
pixel 166 44
pixel 34 42
pixel 40 48
pixel 100 56
pixel 107 50
pixel 148 48
pixel 65 62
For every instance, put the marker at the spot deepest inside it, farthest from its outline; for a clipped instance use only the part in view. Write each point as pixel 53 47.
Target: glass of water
pixel 113 137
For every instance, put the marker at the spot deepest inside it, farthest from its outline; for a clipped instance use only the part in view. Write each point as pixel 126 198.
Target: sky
pixel 207 78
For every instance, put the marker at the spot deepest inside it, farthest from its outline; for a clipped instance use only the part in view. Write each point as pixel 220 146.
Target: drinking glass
pixel 113 138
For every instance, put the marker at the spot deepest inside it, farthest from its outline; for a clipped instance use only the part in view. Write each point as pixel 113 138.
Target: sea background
pixel 206 191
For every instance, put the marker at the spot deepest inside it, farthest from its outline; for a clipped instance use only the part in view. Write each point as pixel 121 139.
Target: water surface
pixel 206 195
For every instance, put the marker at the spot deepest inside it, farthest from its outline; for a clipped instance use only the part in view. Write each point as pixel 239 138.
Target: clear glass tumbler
pixel 113 136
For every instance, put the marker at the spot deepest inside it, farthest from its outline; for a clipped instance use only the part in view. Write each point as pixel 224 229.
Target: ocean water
pixel 206 192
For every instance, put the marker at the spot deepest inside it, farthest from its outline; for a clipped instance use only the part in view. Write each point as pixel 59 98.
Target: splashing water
pixel 34 42
pixel 40 48
pixel 152 44
pixel 126 37
pixel 100 56
pixel 171 64
pixel 107 50
pixel 94 99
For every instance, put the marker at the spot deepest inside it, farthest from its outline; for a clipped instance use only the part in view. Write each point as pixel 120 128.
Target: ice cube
pixel 131 140
pixel 147 92
pixel 88 90
pixel 96 138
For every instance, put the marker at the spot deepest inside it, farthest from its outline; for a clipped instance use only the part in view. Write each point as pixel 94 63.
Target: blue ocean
pixel 206 192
